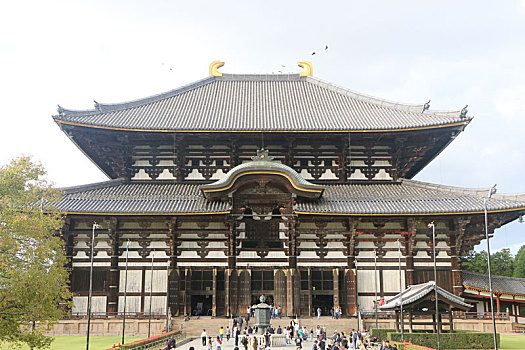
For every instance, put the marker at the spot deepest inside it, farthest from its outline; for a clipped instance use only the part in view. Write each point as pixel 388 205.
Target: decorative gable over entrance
pixel 262 170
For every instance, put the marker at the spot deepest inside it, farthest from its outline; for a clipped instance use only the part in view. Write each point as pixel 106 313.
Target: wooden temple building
pixel 284 185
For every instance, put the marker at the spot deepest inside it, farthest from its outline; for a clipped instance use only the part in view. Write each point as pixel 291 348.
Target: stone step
pixel 194 326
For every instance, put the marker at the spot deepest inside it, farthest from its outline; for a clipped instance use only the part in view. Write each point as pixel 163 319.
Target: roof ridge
pixel 92 186
pixel 416 108
pixel 111 107
pixel 456 189
pixel 260 77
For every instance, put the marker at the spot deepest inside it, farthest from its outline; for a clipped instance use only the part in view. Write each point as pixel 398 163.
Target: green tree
pixel 475 262
pixel 502 263
pixel 519 263
pixel 33 277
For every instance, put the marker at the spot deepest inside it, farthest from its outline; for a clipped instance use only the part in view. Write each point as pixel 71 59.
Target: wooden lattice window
pixel 262 280
pixel 322 280
pixel 202 280
pixel 261 233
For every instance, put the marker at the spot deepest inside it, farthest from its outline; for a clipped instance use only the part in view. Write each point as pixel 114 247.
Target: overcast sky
pixel 453 52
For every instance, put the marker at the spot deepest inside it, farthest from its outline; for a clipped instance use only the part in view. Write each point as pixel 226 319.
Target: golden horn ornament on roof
pixel 308 69
pixel 214 68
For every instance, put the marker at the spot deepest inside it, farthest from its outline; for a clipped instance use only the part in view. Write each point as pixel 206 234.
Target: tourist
pixel 228 333
pixel 254 343
pixel 204 337
pixel 240 323
pixel 318 313
pixel 322 344
pixel 314 346
pixel 221 333
pixel 267 338
pixel 311 334
pixel 298 342
pixel 219 343
pixel 236 332
pixel 244 342
pixel 210 344
pixel 279 312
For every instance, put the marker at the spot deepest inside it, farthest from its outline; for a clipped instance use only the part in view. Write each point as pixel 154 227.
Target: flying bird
pixel 326 47
pixel 313 53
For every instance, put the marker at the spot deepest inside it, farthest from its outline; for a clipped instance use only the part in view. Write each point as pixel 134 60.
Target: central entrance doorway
pixel 201 305
pixel 255 298
pixel 324 301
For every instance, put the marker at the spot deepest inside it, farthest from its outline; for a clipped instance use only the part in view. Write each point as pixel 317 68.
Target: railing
pixel 501 316
pixel 458 315
pixel 154 342
pixel 135 315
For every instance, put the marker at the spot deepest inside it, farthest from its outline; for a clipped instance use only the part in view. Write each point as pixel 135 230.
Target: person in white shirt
pixel 204 337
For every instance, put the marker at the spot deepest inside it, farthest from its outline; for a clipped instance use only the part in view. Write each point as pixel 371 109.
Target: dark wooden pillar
pixel 410 326
pixel 230 275
pixel 114 274
pixel 293 278
pixel 456 250
pixel 336 287
pixel 397 321
pixel 174 275
pixel 497 302
pixel 450 320
pixel 409 250
pixel 69 239
pixel 280 295
pixel 214 295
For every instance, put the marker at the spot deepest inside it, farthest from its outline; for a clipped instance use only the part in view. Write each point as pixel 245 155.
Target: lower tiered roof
pixel 406 197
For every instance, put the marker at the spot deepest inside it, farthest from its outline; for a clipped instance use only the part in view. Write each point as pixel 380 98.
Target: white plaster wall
pixel 158 306
pixel 134 281
pixel 391 280
pixel 132 304
pixel 160 280
pixel 80 305
pixel 303 245
pixel 365 280
pixel 366 302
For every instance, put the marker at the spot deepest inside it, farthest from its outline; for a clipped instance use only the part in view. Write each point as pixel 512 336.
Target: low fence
pixel 151 343
pixel 275 339
pixel 458 315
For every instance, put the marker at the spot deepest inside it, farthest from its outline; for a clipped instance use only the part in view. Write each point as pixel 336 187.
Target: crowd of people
pixel 247 338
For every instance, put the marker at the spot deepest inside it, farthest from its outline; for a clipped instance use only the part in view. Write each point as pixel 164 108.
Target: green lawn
pixel 509 342
pixel 79 342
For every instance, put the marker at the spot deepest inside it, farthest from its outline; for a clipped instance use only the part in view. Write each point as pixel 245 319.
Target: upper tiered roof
pixel 247 102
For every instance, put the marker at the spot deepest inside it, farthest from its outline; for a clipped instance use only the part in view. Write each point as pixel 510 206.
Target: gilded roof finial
pixel 214 68
pixel 262 154
pixel 308 69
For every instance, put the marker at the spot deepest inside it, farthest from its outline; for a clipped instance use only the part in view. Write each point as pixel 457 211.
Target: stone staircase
pixel 194 326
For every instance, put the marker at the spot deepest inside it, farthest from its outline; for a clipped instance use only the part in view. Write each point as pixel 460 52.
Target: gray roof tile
pixel 284 102
pixel 407 197
pixel 419 291
pixel 501 284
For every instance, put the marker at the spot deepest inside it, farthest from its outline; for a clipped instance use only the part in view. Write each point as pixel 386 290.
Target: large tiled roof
pixel 284 102
pixel 118 197
pixel 419 291
pixel 407 197
pixel 500 284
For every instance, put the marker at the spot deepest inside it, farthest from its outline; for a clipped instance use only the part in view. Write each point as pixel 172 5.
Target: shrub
pixel 464 340
pixel 381 333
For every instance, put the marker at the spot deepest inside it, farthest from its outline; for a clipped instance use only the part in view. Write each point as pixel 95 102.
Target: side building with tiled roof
pixel 282 185
pixel 508 292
